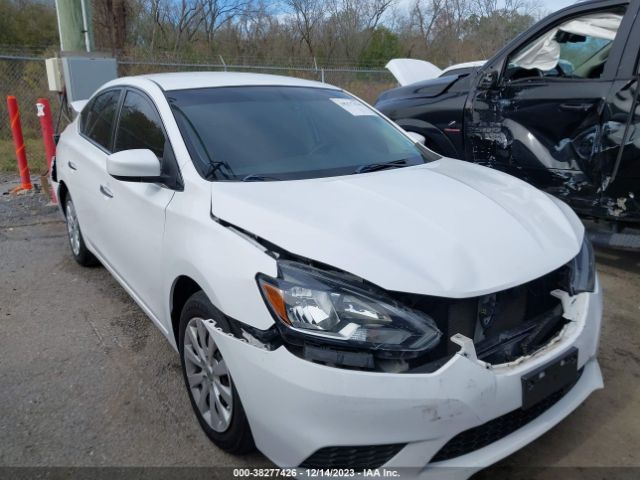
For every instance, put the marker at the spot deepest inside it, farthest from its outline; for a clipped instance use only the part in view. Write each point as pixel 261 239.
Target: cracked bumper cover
pixel 296 407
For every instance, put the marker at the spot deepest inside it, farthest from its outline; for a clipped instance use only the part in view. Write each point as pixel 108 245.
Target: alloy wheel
pixel 73 228
pixel 208 376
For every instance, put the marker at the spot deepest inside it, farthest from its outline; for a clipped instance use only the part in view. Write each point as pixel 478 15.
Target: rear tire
pixel 79 250
pixel 213 396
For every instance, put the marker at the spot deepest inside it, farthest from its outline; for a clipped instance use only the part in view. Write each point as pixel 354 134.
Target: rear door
pixel 85 163
pixel 134 224
pixel 543 119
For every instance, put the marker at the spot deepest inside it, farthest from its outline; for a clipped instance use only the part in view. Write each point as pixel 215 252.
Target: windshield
pixel 266 133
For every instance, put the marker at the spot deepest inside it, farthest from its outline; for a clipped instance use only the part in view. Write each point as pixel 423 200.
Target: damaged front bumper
pixel 299 410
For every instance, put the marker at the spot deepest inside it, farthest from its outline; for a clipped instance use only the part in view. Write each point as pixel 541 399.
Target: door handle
pixel 575 107
pixel 72 165
pixel 105 191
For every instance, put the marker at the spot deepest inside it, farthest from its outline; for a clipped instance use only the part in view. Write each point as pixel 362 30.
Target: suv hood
pixel 425 89
pixel 447 228
pixel 411 70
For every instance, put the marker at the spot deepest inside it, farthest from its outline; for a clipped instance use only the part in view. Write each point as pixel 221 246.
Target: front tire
pixel 212 393
pixel 79 250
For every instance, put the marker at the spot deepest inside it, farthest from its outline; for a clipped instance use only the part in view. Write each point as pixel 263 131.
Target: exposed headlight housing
pixel 582 269
pixel 313 305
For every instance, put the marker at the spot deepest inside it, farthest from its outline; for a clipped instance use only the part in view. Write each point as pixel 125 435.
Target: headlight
pixel 582 270
pixel 317 305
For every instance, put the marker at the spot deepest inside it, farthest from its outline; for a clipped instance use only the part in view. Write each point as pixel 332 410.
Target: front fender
pixel 436 138
pixel 222 262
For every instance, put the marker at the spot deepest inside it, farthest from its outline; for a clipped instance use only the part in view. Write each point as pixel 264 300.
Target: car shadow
pixel 628 260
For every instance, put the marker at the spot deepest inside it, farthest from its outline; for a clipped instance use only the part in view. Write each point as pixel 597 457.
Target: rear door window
pixel 98 117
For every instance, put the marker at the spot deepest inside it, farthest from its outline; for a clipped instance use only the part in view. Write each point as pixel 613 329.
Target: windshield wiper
pixel 217 165
pixel 254 177
pixel 211 165
pixel 374 167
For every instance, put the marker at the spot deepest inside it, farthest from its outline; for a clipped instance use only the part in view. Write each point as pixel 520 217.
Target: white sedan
pixel 339 295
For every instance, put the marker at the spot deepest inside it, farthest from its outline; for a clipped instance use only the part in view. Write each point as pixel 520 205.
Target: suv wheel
pixel 213 395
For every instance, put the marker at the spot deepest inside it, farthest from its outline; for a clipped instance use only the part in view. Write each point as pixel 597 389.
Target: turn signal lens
pixel 275 298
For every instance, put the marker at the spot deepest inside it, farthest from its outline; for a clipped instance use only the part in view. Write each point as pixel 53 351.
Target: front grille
pixel 493 430
pixel 504 325
pixel 358 458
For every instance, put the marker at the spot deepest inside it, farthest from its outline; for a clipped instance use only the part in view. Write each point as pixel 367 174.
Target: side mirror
pixel 416 137
pixel 140 165
pixel 488 80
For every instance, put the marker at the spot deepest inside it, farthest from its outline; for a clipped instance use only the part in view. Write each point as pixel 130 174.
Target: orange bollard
pixel 46 126
pixel 18 141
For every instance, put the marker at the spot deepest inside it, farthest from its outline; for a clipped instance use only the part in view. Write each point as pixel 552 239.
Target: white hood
pixel 474 64
pixel 447 228
pixel 411 70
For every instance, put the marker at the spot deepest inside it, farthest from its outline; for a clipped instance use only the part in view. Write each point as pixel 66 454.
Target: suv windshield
pixel 257 133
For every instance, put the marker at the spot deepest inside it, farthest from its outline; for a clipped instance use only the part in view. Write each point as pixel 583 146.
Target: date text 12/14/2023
pixel 315 473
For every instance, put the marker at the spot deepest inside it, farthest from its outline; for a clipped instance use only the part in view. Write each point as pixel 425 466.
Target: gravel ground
pixel 86 380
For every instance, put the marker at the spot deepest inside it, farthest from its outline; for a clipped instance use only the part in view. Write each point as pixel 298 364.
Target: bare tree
pixel 186 19
pixel 488 8
pixel 308 16
pixel 158 19
pixel 110 20
pixel 441 31
pixel 217 13
pixel 494 23
pixel 426 14
pixel 355 21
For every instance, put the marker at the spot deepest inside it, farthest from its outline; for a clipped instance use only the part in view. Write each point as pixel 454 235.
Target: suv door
pixel 86 162
pixel 621 189
pixel 543 118
pixel 134 224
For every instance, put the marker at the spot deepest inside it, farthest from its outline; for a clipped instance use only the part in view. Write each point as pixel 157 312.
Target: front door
pixel 621 189
pixel 544 118
pixel 134 223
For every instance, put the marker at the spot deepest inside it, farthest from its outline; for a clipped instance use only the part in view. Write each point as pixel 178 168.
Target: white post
pixel 85 25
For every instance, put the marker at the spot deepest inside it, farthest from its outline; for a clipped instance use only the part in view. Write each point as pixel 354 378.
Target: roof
pixel 189 80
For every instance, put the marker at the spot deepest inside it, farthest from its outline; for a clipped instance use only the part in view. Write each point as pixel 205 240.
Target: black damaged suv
pixel 557 107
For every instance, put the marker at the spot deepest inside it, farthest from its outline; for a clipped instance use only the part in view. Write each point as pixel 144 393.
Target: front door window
pixel 576 49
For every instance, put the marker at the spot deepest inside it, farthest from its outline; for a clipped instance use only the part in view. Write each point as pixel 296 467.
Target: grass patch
pixel 35 156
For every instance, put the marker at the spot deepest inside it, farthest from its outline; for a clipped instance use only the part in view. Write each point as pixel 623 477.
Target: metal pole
pixel 74 25
pixel 85 25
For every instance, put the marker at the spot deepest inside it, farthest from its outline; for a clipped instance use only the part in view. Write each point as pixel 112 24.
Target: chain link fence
pixel 24 76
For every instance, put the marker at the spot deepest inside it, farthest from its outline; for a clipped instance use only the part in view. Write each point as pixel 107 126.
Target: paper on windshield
pixel 353 106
